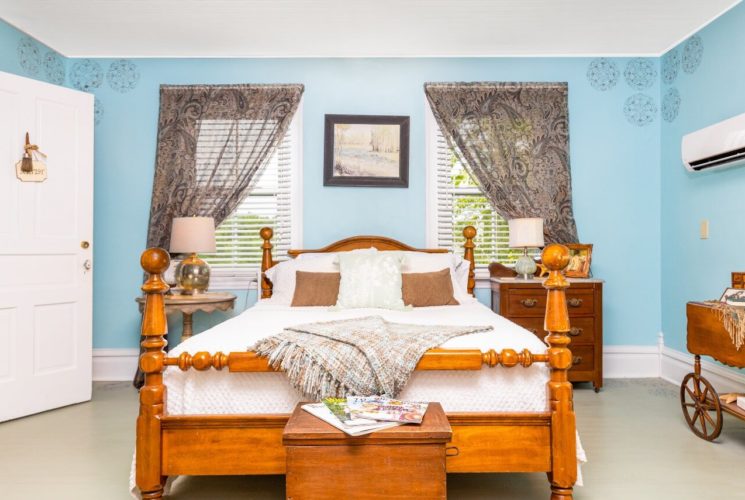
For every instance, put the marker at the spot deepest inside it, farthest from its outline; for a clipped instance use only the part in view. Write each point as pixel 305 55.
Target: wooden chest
pixel 404 462
pixel 524 302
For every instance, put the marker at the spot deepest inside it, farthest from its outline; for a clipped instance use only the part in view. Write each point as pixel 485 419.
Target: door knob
pixel 84 245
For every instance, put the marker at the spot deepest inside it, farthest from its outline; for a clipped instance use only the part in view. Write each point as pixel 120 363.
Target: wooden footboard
pixel 252 444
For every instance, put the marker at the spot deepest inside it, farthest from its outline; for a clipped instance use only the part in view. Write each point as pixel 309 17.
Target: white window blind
pixel 270 202
pixel 458 202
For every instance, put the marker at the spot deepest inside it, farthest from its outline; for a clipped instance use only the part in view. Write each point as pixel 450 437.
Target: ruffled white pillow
pixel 370 280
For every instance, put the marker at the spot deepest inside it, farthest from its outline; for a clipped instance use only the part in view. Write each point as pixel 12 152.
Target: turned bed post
pixel 266 261
pixel 469 233
pixel 149 479
pixel 563 473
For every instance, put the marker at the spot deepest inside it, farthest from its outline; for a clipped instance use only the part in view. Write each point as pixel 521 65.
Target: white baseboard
pixel 631 361
pixel 674 365
pixel 110 365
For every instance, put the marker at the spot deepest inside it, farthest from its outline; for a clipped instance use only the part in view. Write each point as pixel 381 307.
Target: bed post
pixel 153 394
pixel 563 473
pixel 469 233
pixel 266 261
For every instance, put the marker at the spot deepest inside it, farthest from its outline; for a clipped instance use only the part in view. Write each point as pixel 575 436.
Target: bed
pixel 506 394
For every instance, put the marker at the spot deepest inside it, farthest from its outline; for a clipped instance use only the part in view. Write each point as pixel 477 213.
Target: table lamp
pixel 526 233
pixel 193 235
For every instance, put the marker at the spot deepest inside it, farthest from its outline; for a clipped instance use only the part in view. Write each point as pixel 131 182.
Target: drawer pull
pixel 452 451
pixel 575 332
pixel 529 302
pixel 576 360
pixel 574 302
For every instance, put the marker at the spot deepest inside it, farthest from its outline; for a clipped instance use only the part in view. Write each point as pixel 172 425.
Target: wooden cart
pixel 698 398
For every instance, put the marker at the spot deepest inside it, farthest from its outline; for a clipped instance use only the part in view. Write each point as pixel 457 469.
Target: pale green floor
pixel 636 440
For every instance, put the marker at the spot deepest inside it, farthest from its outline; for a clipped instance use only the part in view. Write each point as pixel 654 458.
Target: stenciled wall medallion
pixel 640 73
pixel 602 74
pixel 693 52
pixel 670 104
pixel 29 55
pixel 86 75
pixel 123 75
pixel 670 66
pixel 640 109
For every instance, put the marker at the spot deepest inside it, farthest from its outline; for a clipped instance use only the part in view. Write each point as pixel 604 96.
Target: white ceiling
pixel 359 28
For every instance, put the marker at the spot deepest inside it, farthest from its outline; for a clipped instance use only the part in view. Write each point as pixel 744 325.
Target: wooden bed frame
pixel 169 445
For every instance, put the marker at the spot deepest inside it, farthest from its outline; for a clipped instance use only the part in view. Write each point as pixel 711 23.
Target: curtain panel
pixel 212 142
pixel 513 140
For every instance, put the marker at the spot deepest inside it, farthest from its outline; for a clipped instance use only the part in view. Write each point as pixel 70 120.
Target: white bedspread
pixel 515 389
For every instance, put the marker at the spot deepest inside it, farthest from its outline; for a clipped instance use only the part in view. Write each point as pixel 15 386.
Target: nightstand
pixel 524 302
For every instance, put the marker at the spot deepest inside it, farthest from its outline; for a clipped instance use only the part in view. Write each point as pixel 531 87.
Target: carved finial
pixel 266 233
pixel 155 260
pixel 555 257
pixel 469 232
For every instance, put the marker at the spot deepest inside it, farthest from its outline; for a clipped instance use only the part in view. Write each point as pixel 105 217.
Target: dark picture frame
pixel 366 156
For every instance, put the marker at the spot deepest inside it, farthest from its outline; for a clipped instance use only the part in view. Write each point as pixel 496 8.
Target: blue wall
pixel 615 170
pixel 695 269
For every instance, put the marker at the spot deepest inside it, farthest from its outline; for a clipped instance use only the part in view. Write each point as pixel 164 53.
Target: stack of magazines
pixel 358 415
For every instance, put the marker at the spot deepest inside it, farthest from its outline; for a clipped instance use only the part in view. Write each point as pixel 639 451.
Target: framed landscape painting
pixel 366 150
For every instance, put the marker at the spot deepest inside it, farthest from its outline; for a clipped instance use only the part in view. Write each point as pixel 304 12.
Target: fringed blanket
pixel 360 356
pixel 733 320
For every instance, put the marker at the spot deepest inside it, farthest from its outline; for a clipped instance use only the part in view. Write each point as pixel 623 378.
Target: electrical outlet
pixel 704 229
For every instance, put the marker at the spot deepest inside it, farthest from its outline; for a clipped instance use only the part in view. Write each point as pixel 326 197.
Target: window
pixel 274 201
pixel 455 201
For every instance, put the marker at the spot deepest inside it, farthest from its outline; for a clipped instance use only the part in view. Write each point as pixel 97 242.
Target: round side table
pixel 187 305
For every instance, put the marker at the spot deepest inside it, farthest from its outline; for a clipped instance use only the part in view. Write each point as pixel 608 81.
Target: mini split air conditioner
pixel 718 146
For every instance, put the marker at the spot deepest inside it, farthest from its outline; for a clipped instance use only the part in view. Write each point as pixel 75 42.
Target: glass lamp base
pixel 525 267
pixel 193 275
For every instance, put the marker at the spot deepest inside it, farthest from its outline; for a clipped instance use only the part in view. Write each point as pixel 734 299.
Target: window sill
pixel 233 279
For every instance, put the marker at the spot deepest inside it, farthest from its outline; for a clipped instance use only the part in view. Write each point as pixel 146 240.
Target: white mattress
pixel 515 389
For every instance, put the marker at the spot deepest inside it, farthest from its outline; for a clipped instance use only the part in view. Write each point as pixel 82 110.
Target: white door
pixel 45 288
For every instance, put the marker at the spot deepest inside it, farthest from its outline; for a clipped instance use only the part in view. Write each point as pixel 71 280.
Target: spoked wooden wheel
pixel 701 409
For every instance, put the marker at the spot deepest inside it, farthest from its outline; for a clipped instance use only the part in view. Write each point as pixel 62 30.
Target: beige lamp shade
pixel 526 233
pixel 193 235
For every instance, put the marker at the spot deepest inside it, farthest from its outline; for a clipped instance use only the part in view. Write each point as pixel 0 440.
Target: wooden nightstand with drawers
pixel 524 302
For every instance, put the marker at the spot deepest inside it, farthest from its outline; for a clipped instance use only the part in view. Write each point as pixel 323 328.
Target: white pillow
pixel 282 275
pixel 461 274
pixel 370 280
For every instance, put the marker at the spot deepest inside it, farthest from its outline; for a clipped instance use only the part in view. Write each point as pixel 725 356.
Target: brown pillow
pixel 315 289
pixel 428 289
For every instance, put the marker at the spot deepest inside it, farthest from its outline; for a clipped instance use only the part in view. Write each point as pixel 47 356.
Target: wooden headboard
pixel 357 242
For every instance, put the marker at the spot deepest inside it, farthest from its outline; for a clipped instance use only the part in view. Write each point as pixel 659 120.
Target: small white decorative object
pixel 526 233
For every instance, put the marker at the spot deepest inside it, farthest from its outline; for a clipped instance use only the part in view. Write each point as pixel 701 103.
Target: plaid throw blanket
pixel 360 356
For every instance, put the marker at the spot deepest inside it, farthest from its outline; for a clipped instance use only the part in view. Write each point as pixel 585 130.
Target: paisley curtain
pixel 513 140
pixel 212 141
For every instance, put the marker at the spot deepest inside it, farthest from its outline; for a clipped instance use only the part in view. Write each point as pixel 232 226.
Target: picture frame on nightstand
pixel 580 258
